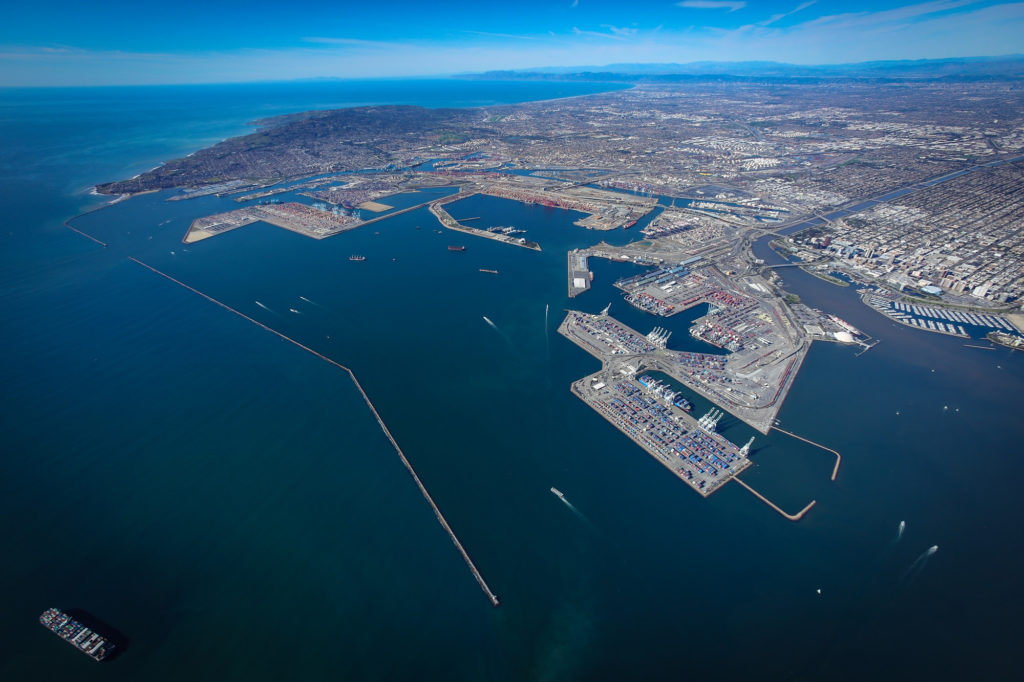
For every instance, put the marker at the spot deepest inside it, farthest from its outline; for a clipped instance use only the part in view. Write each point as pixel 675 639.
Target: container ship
pixel 71 631
pixel 662 391
pixel 357 257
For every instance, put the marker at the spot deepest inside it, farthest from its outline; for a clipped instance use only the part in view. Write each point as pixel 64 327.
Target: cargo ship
pixel 663 391
pixel 71 631
pixel 558 492
pixel 357 258
pixel 456 248
pixel 683 404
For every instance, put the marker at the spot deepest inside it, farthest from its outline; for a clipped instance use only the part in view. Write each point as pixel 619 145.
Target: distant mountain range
pixel 1008 67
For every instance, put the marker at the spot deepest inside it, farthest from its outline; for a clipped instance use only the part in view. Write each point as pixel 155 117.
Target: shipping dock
pixel 688 447
pixel 656 417
pixel 71 631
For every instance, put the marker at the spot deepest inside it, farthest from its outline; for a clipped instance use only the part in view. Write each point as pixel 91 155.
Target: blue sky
pixel 76 43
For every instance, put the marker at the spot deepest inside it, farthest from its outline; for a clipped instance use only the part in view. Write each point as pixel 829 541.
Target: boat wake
pixel 547 329
pixel 495 328
pixel 573 509
pixel 919 563
pixel 268 309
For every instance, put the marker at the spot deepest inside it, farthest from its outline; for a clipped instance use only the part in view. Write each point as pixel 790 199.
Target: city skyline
pixel 68 44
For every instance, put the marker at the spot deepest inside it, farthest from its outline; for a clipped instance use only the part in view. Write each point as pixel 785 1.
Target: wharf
pixel 292 216
pixel 447 221
pixel 751 384
pixel 701 458
pixel 580 275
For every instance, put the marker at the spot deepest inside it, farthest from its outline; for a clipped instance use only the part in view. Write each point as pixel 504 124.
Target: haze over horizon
pixel 65 43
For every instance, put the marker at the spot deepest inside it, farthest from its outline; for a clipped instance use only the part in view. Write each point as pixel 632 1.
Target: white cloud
pixel 905 13
pixel 776 17
pixel 348 41
pixel 501 35
pixel 621 32
pixel 940 28
pixel 712 4
pixel 598 34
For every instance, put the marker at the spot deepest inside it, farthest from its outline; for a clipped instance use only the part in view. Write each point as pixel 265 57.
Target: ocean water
pixel 227 502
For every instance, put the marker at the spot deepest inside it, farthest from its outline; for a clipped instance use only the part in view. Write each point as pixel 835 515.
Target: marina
pixel 947 321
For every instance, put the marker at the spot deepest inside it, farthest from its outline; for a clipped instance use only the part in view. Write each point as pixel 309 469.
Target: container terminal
pixel 750 382
pixel 657 418
pixel 652 418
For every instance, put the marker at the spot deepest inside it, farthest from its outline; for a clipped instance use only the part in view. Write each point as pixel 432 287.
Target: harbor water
pixel 227 501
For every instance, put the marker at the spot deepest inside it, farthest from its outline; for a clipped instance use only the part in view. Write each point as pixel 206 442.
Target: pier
pixel 580 275
pixel 792 517
pixel 839 458
pixel 447 221
pixel 493 598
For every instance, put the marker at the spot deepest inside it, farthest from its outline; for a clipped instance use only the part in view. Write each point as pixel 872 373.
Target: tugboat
pixel 356 258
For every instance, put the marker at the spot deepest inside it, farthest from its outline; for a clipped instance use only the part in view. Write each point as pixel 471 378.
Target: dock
pixel 447 221
pixel 579 272
pixel 292 216
pixel 697 455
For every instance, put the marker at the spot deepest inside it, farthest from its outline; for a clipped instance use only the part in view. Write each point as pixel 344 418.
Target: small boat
pixel 356 258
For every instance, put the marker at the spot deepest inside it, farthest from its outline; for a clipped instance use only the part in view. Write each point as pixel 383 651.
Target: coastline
pixel 269 122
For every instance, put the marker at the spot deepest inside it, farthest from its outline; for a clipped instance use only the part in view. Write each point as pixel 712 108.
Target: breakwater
pixel 493 598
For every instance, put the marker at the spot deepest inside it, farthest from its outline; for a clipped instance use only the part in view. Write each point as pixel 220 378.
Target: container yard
pixel 653 418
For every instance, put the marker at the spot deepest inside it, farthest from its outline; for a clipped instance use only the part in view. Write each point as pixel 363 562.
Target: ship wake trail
pixel 376 415
pixel 268 309
pixel 547 329
pixel 577 512
pixel 312 302
pixel 495 328
pixel 919 563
